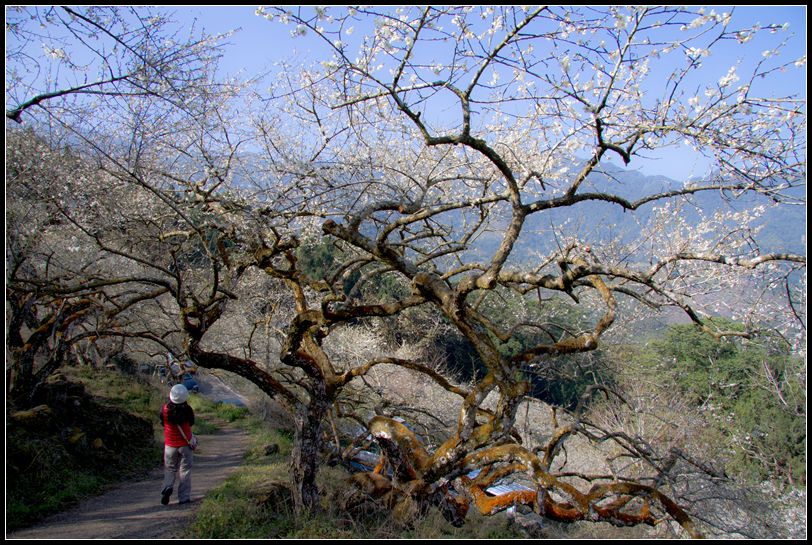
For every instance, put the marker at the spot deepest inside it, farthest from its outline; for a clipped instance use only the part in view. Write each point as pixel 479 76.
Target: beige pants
pixel 178 463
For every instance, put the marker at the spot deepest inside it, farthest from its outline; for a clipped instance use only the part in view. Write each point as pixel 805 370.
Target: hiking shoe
pixel 165 493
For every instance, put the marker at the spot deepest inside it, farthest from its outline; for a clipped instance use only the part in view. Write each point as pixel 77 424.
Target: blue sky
pixel 260 43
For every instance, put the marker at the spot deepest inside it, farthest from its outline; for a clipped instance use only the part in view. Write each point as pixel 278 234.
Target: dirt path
pixel 133 509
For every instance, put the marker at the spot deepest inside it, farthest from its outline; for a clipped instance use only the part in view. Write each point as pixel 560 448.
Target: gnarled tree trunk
pixel 307 443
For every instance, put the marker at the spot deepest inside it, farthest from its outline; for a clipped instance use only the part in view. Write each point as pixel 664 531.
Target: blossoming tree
pixel 456 128
pixel 433 147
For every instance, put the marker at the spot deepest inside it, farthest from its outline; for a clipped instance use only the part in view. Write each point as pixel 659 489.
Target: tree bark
pixel 304 459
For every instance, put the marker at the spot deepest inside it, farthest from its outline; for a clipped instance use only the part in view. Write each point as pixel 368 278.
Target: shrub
pixel 752 391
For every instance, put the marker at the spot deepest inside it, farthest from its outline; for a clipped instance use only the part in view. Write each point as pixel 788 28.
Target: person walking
pixel 178 418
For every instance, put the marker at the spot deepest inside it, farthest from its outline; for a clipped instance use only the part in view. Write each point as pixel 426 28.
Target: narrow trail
pixel 132 510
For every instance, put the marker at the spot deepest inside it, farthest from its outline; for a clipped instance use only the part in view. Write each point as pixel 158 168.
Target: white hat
pixel 178 393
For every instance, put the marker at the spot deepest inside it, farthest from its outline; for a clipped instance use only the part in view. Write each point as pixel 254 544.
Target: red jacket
pixel 172 436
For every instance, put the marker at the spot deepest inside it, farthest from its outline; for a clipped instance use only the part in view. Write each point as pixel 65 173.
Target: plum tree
pixel 433 150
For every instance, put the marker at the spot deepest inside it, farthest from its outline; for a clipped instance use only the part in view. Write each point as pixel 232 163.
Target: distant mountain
pixel 783 228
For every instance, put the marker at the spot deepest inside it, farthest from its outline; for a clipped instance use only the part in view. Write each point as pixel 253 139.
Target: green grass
pixel 45 473
pixel 235 510
pixel 49 493
pixel 239 509
pixel 132 392
pixel 232 511
pixel 210 416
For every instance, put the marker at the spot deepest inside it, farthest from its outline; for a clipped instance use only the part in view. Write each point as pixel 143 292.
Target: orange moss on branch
pixel 587 506
pixel 380 466
pixel 566 512
pixel 606 502
pixel 386 428
pixel 373 484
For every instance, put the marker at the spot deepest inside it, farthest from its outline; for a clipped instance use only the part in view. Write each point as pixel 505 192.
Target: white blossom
pixel 696 52
pixel 729 78
pixel 55 52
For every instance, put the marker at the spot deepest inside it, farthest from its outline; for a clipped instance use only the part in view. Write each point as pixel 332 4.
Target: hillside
pixel 124 503
pixel 86 429
pixel 779 228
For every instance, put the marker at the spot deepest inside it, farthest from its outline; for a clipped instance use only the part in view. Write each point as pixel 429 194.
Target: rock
pixel 34 417
pixel 274 495
pixel 75 435
pixel 271 449
pixel 60 393
pixel 531 523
